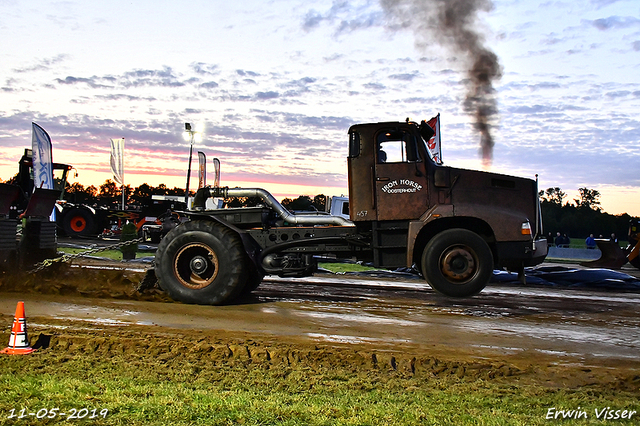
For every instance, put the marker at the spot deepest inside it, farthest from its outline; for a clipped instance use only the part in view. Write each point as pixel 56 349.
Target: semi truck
pixel 454 226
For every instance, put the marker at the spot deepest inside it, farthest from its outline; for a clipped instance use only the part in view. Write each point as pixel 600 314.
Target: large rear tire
pixel 201 262
pixel 78 222
pixel 457 263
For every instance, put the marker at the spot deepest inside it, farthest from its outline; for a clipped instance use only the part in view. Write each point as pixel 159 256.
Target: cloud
pixel 618 94
pixel 374 86
pixel 602 3
pixel 162 137
pixel 205 69
pixel 404 76
pixel 155 78
pixel 12 85
pixel 266 95
pixel 305 121
pixel 544 85
pixel 531 109
pixel 44 64
pixel 345 17
pixel 302 82
pixel 312 20
pixel 334 57
pixel 247 73
pixel 614 22
pixel 552 39
pixel 164 77
pixel 123 97
pixel 91 81
pixel 209 85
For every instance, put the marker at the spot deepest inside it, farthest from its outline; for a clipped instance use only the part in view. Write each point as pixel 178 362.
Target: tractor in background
pixel 82 220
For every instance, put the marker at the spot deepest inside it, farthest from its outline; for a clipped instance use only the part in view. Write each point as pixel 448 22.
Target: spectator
pixel 559 240
pixel 590 242
pixel 566 242
pixel 613 238
pixel 549 240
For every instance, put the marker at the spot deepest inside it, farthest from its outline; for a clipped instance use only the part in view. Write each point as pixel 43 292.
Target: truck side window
pixel 354 144
pixel 395 146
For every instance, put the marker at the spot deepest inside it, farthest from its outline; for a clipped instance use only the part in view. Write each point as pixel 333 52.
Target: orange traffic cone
pixel 18 342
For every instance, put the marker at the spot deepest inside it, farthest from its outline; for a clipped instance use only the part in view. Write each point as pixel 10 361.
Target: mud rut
pixel 203 351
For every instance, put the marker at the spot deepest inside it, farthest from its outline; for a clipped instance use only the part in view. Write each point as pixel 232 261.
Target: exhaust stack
pixel 286 216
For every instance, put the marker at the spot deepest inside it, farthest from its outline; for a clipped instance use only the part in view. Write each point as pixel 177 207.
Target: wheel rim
pixel 78 223
pixel 459 264
pixel 196 266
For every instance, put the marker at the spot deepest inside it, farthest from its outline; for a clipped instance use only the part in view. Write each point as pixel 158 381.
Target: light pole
pixel 188 131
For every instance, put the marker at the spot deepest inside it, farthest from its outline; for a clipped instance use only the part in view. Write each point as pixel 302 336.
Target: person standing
pixel 559 240
pixel 590 242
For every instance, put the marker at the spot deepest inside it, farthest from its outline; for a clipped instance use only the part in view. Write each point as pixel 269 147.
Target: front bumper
pixel 516 254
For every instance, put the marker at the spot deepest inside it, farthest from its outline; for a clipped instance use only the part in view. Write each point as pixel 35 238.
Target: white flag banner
pixel 435 149
pixel 117 160
pixel 216 171
pixel 42 158
pixel 202 170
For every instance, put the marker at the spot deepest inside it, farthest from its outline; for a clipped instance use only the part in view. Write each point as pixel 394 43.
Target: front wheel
pixel 201 262
pixel 457 263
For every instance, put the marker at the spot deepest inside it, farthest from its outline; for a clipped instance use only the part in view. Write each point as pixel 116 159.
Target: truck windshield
pixel 59 179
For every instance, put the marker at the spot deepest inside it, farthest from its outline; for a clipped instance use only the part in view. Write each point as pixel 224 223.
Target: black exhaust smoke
pixel 452 23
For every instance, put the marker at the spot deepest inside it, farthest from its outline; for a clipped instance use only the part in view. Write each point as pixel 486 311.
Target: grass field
pixel 148 375
pixel 107 254
pixel 138 377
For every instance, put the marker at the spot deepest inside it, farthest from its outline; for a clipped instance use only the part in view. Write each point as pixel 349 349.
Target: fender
pixel 436 212
pixel 251 247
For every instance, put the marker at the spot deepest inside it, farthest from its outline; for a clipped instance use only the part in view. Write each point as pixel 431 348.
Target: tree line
pixel 581 216
pixel 577 218
pixel 110 193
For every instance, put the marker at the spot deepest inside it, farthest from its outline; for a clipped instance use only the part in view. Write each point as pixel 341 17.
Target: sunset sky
pixel 276 85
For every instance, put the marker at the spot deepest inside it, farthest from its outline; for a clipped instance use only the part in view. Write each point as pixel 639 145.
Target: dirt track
pixel 559 337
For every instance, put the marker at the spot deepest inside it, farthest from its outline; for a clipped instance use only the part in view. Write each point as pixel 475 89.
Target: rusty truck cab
pixel 400 195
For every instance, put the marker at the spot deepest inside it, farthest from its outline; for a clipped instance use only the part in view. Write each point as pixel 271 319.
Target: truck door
pixel 400 181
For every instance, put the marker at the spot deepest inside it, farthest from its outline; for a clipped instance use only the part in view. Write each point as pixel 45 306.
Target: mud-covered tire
pixel 457 263
pixel 201 262
pixel 78 223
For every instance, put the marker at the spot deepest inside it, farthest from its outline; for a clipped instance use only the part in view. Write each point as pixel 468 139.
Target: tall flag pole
pixel 117 163
pixel 202 170
pixel 216 172
pixel 42 160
